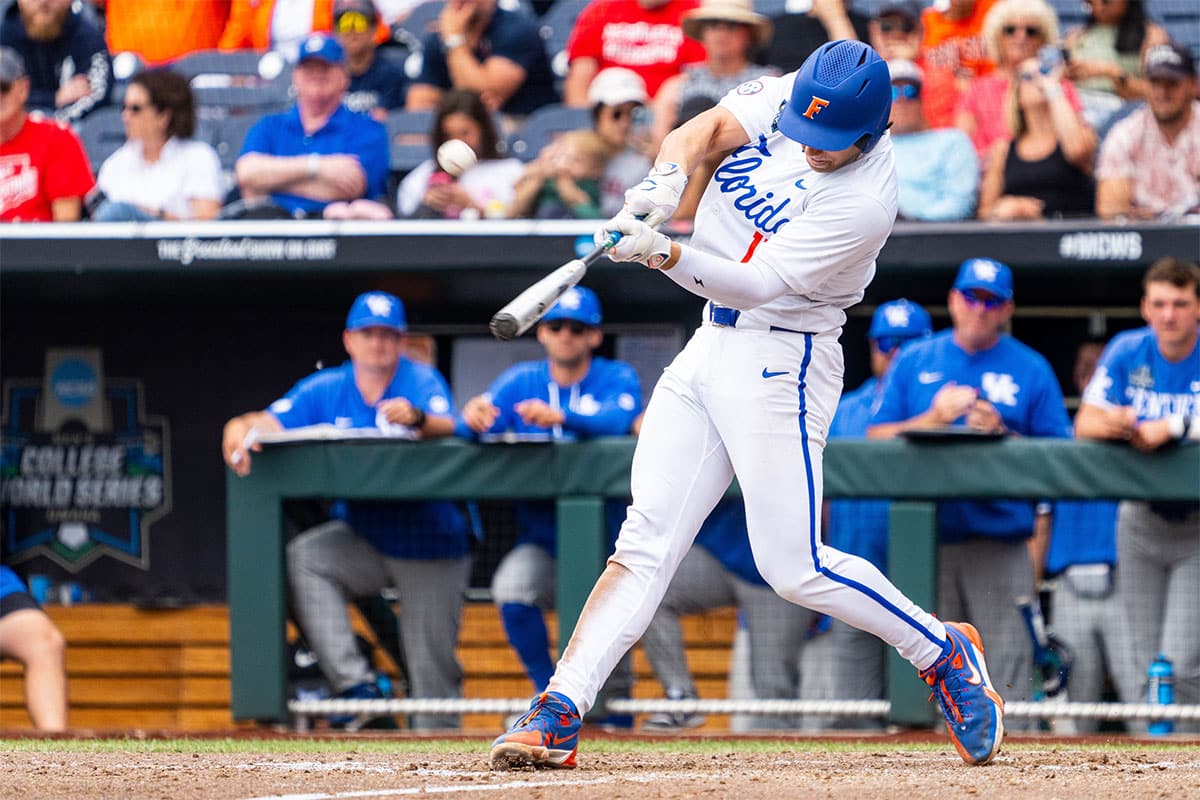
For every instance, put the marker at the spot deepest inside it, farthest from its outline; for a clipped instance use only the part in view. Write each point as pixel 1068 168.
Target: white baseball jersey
pixel 819 231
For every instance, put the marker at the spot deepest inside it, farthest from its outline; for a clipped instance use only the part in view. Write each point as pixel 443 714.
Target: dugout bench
pixel 580 475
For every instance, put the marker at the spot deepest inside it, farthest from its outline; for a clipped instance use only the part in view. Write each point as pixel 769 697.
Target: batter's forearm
pixel 714 131
pixel 730 283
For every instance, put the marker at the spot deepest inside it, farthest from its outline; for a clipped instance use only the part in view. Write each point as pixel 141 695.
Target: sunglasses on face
pixel 1031 31
pixel 976 298
pixel 576 328
pixel 353 22
pixel 895 26
pixel 906 90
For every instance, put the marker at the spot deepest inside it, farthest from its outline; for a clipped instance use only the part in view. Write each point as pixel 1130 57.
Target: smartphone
pixel 1050 57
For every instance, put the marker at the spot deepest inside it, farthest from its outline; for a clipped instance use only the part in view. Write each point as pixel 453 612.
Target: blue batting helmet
pixel 577 304
pixel 842 97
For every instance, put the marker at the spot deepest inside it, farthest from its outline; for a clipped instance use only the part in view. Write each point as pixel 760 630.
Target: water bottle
pixel 1161 692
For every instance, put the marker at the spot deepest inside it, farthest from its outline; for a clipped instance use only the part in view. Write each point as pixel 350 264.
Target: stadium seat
pixel 231 132
pixel 408 138
pixel 555 28
pixel 102 133
pixel 236 81
pixel 423 19
pixel 541 127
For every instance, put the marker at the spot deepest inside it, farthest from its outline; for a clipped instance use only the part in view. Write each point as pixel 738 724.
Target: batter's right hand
pixel 654 200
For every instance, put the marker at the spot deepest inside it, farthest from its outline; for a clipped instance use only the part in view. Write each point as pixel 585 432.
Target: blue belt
pixel 723 317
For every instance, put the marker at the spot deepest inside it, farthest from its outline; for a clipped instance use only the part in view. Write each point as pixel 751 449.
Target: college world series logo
pixel 85 471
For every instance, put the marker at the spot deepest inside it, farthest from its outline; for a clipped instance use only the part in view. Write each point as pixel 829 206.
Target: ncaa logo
pixel 74 383
pixel 815 106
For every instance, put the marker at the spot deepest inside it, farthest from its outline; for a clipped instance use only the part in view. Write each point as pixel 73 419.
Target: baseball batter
pixel 787 233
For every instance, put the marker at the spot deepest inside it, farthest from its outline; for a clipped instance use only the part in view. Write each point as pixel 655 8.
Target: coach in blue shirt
pixel 318 153
pixel 495 53
pixel 422 549
pixel 978 375
pixel 572 394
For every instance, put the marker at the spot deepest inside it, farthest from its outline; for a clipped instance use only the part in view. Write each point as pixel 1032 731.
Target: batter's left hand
pixel 540 413
pixel 639 242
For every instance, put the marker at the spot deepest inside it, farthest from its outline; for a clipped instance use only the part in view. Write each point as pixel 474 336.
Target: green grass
pixel 436 746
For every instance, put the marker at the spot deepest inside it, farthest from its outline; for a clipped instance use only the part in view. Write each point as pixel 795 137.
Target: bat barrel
pixel 504 326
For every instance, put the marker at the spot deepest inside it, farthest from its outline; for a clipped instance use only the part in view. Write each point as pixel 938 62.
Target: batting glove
pixel 639 242
pixel 654 199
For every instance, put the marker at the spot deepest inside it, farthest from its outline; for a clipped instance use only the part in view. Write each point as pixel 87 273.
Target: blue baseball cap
pixel 579 304
pixel 986 274
pixel 326 48
pixel 377 309
pixel 901 319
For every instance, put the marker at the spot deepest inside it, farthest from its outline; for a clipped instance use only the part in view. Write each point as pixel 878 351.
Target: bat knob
pixel 503 326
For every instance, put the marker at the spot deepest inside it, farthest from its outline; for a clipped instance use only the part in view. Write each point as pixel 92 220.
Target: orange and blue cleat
pixel 547 736
pixel 974 711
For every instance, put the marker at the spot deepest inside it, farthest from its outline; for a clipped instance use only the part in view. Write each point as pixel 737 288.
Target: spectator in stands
pixel 895 30
pixel 1105 56
pixel 798 34
pixel 29 636
pixel 1045 171
pixel 937 170
pixel 732 33
pixel 616 96
pixel 496 53
pixel 860 526
pixel 1014 32
pixel 642 35
pixel 1146 391
pixel 160 172
pixel 953 52
pixel 563 182
pixel 159 35
pixel 422 549
pixel 484 190
pixel 44 172
pixel 572 394
pixel 376 84
pixel 69 70
pixel 1088 617
pixel 280 25
pixel 1149 164
pixel 981 378
pixel 319 157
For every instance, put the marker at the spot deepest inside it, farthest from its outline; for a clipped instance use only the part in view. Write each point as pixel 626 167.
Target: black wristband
pixel 419 422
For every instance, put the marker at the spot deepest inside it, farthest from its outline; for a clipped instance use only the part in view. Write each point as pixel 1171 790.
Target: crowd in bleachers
pixel 1070 113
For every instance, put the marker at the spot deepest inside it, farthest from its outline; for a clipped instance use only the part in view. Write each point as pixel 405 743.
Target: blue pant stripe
pixel 812 513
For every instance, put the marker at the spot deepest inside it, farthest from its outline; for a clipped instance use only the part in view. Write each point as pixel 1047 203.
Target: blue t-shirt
pixel 419 530
pixel 724 535
pixel 10 583
pixel 1132 372
pixel 383 85
pixel 604 403
pixel 1014 378
pixel 345 133
pixel 858 526
pixel 1084 532
pixel 512 35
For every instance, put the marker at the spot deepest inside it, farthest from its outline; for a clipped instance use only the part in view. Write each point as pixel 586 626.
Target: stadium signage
pixel 1101 246
pixel 84 471
pixel 190 249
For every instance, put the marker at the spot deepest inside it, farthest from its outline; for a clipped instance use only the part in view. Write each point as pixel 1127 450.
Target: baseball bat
pixel 532 304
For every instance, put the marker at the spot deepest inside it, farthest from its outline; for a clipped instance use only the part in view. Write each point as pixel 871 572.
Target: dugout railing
pixel 579 476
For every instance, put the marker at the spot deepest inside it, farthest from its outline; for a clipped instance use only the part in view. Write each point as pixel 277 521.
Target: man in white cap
pixel 616 95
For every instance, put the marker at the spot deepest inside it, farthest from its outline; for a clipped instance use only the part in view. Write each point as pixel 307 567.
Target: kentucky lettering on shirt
pixel 1132 372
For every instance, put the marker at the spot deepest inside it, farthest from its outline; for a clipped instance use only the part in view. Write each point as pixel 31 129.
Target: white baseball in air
pixel 456 157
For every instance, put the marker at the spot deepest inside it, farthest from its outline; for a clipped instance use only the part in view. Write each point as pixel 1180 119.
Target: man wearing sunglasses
pixel 376 84
pixel 977 376
pixel 44 172
pixel 936 167
pixel 572 394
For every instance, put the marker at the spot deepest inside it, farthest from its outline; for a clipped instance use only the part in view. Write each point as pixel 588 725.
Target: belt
pixel 724 317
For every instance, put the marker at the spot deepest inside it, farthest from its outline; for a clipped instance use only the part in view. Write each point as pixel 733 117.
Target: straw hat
pixel 741 11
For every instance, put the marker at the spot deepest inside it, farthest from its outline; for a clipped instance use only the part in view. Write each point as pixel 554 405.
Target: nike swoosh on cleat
pixel 767 374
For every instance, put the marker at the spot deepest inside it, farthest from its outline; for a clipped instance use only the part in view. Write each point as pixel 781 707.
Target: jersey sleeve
pixel 756 104
pixel 620 404
pixel 203 178
pixel 301 406
pixel 1048 414
pixel 434 398
pixel 836 231
pixel 258 138
pixel 504 394
pixel 68 173
pixel 373 153
pixel 1107 387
